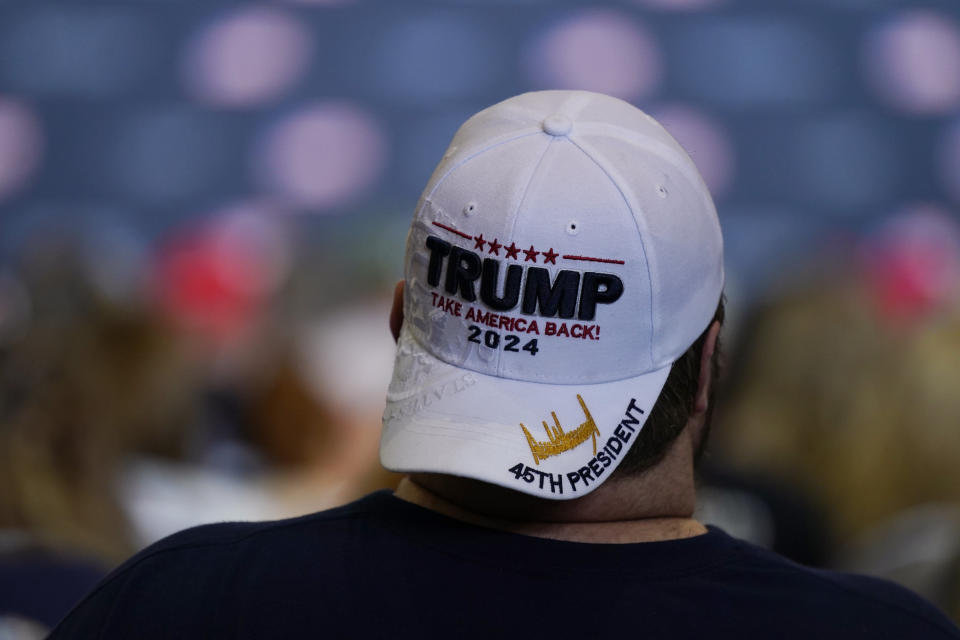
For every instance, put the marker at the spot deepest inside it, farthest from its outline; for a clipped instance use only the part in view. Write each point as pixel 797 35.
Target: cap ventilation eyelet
pixel 662 191
pixel 470 208
pixel 573 228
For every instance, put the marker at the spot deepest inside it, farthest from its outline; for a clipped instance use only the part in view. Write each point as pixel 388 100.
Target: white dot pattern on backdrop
pixel 21 146
pixel 705 140
pixel 246 58
pixel 604 51
pixel 321 156
pixel 912 62
pixel 835 110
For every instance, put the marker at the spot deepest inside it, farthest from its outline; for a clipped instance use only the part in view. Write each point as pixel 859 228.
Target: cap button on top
pixel 557 125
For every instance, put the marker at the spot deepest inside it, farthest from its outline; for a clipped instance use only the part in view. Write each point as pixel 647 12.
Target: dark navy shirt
pixel 42 586
pixel 384 568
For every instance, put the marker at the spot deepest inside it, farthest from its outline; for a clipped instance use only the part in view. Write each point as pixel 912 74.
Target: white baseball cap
pixel 563 254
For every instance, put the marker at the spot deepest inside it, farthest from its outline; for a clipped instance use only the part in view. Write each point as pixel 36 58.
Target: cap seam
pixel 528 132
pixel 655 147
pixel 515 109
pixel 576 103
pixel 516 214
pixel 526 189
pixel 633 215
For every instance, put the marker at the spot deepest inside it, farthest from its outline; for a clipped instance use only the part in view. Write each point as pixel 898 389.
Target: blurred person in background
pixel 846 387
pixel 582 529
pixel 314 412
pixel 118 425
pixel 284 427
pixel 83 383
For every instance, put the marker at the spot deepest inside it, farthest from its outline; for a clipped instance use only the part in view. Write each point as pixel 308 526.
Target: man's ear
pixel 705 379
pixel 396 311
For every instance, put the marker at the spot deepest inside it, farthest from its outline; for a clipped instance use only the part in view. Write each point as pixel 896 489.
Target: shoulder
pixel 843 600
pixel 184 574
pixel 227 539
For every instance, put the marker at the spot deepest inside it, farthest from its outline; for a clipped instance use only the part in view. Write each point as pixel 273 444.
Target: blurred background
pixel 202 214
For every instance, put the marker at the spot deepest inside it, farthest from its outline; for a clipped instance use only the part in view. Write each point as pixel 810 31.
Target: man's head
pixel 686 401
pixel 564 256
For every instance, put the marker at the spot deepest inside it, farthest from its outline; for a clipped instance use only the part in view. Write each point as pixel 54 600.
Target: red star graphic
pixel 530 254
pixel 512 251
pixel 549 257
pixel 478 242
pixel 495 247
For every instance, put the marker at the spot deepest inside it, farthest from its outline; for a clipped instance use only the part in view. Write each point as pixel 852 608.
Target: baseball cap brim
pixel 556 441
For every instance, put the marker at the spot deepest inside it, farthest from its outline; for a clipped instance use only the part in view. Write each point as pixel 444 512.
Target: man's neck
pixel 656 505
pixel 611 532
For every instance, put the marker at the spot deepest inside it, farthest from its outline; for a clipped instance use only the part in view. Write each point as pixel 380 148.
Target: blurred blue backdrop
pixel 122 122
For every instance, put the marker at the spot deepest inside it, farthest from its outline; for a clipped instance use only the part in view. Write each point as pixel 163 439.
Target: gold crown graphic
pixel 559 440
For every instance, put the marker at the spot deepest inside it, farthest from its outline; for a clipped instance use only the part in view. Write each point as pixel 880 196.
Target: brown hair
pixel 85 384
pixel 672 409
pixel 856 407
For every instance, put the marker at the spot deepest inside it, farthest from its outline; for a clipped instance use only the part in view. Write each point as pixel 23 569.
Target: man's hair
pixel 673 408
